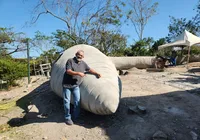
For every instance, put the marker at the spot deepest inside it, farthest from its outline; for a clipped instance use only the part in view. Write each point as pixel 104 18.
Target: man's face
pixel 79 56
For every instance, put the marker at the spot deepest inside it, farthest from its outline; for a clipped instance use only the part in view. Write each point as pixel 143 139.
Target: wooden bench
pixel 45 69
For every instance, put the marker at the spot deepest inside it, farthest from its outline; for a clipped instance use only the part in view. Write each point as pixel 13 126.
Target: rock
pixel 121 72
pixel 194 135
pixel 126 73
pixel 6 99
pixel 25 90
pixel 137 109
pixel 43 115
pixel 159 135
pixel 33 108
pixel 132 109
pixel 45 138
pixel 142 108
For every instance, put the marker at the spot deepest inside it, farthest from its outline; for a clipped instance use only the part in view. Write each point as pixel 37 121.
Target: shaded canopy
pixel 185 39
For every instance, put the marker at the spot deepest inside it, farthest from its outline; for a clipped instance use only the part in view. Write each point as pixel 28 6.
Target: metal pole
pixel 28 58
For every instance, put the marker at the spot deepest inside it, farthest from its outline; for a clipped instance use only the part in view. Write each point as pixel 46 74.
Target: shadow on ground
pixel 192 77
pixel 193 70
pixel 176 114
pixel 50 109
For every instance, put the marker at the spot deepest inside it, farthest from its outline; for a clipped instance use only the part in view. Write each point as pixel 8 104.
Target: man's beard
pixel 78 59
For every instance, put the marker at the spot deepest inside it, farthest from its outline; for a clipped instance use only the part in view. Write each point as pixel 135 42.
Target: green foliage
pixel 128 52
pixel 85 21
pixel 40 36
pixel 141 48
pixel 4 38
pixel 157 43
pixel 178 25
pixel 11 70
pixel 10 41
pixel 110 43
pixel 48 56
pixel 41 42
pixel 5 35
pixel 195 50
pixel 145 47
pixel 165 52
pixel 154 48
pixel 66 40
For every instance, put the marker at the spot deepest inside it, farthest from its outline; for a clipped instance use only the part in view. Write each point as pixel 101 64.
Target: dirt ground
pixel 170 102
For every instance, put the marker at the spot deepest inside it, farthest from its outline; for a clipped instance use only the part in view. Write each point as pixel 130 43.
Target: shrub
pixel 195 50
pixel 11 70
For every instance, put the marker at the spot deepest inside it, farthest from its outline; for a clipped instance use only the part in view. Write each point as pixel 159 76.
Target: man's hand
pixel 98 75
pixel 95 73
pixel 81 74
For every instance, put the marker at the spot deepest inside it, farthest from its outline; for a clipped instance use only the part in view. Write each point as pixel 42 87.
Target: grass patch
pixel 8 105
pixel 22 103
pixel 5 128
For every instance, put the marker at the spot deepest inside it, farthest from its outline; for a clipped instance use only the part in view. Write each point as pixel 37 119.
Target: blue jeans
pixel 173 61
pixel 66 98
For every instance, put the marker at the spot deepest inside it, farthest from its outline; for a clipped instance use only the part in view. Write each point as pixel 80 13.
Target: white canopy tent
pixel 185 39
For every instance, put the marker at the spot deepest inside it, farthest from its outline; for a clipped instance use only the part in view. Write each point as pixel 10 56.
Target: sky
pixel 15 13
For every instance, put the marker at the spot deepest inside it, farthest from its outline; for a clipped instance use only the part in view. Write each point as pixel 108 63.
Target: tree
pixel 80 16
pixel 49 56
pixel 178 25
pixel 41 43
pixel 142 11
pixel 142 47
pixel 108 42
pixel 85 20
pixel 111 43
pixel 65 40
pixel 10 41
pixel 157 43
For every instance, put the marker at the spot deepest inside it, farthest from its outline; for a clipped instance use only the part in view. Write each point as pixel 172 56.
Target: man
pixel 75 71
pixel 173 58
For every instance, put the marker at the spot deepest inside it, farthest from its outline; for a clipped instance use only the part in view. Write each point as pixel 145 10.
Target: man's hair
pixel 79 51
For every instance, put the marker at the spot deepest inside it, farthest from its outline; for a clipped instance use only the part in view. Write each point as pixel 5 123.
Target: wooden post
pixel 34 67
pixel 188 59
pixel 181 51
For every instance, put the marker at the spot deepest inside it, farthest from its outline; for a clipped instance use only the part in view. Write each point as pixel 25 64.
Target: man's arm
pixel 87 68
pixel 71 72
pixel 94 72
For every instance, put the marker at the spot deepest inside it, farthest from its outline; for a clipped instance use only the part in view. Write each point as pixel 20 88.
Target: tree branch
pixel 54 15
pixel 38 17
pixel 16 50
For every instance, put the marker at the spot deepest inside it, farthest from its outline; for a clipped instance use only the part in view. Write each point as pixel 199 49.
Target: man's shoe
pixel 69 122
